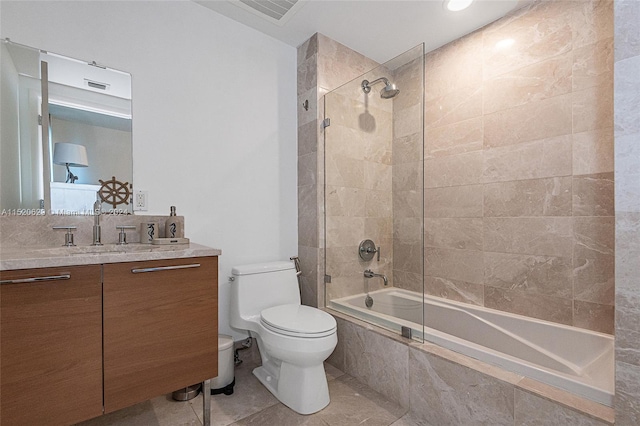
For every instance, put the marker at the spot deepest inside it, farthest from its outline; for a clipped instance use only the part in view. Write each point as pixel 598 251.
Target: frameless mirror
pixel 65 133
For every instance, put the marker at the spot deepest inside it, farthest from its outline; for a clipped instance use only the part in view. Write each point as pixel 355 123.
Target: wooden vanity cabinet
pixel 160 327
pixel 50 345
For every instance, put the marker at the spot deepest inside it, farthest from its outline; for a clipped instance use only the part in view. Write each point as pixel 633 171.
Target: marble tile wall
pixel 358 176
pixel 518 151
pixel 324 65
pixel 627 210
pixel 441 387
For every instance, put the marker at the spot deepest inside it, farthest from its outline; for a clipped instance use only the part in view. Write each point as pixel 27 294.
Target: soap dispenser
pixel 173 227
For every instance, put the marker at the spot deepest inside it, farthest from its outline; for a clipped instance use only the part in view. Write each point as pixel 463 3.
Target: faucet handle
pixel 122 237
pixel 68 237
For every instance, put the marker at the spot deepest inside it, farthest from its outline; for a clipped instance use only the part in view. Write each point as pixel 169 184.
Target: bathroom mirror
pixel 65 126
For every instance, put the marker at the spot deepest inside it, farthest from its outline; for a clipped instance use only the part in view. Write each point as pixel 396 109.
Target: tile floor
pixel 352 403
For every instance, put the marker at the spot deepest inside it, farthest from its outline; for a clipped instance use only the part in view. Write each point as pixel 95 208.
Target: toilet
pixel 294 340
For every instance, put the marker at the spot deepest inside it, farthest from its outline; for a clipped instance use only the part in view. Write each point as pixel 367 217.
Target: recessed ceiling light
pixel 457 5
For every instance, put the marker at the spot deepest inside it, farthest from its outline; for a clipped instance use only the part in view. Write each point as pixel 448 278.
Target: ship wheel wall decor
pixel 114 192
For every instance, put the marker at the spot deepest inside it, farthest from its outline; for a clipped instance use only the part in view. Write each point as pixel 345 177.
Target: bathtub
pixel 576 360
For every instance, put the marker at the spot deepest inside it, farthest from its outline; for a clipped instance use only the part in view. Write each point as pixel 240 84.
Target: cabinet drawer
pixel 160 327
pixel 51 334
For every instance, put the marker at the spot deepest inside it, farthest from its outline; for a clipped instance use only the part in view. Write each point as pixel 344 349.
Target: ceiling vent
pixel 275 11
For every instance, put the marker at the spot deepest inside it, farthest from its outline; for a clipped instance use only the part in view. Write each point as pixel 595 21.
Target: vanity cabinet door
pixel 51 345
pixel 160 328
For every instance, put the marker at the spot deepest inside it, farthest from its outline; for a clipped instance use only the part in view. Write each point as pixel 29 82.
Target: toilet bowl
pixel 294 340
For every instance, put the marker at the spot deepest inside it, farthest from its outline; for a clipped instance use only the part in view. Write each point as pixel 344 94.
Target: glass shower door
pixel 373 157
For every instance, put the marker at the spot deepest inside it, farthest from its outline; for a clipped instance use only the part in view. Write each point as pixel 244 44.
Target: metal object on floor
pixel 185 394
pixel 206 403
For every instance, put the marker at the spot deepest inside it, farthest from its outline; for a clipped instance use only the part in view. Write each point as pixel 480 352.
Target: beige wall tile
pixel 408 122
pixel 592 108
pixel 377 176
pixel 407 256
pixel 343 171
pixel 456 138
pixel 344 231
pixel 307 49
pixel 537 197
pixel 535 82
pixel 408 229
pixel 380 229
pixel 462 265
pixel 533 410
pixel 407 149
pixel 307 138
pixel 627 36
pixel 530 160
pixel 593 237
pixel 542 32
pixel 409 79
pixel 408 280
pixel 532 305
pixel 453 170
pixel 593 280
pixel 309 261
pixel 407 204
pixel 457 233
pixel 592 21
pixel 593 195
pixel 378 204
pixel 593 316
pixel 544 275
pixel 528 122
pixel 593 64
pixel 308 230
pixel 407 176
pixel 454 66
pixel 460 291
pixel 379 362
pixel 307 169
pixel 593 152
pixel 307 74
pixel 456 201
pixel 342 201
pixel 459 105
pixel 446 393
pixel 550 236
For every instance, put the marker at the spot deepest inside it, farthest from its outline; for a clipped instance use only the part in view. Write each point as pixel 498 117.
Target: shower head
pixel 388 91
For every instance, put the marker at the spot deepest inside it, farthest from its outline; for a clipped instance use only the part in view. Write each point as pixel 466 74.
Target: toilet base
pixel 303 389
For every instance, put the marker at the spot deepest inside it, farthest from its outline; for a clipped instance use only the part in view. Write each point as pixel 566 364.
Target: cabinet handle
pixel 37 279
pixel 164 268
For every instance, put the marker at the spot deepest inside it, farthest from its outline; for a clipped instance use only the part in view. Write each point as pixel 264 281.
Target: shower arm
pixel 366 84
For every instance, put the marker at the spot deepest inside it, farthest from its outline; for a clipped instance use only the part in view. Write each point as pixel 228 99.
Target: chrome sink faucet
pixel 97 210
pixel 370 274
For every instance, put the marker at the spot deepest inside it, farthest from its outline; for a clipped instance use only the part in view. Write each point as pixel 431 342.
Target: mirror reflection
pixel 58 162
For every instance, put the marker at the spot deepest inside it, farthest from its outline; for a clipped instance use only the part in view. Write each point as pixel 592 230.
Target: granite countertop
pixel 43 257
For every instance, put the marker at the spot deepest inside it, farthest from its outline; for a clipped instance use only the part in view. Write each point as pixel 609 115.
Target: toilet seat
pixel 298 321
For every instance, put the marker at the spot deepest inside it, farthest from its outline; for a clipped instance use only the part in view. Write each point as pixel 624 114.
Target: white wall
pixel 214 115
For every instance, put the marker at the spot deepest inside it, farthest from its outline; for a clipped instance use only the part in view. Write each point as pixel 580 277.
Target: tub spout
pixel 370 274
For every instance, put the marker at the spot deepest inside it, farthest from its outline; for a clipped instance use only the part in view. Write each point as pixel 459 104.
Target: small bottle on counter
pixel 173 227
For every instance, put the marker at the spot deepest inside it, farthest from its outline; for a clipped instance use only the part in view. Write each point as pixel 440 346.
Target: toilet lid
pixel 298 320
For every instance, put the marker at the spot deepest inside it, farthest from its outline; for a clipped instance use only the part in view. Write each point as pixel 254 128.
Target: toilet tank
pixel 260 286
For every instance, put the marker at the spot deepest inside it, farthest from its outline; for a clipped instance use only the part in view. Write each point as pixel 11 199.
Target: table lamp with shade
pixel 70 155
